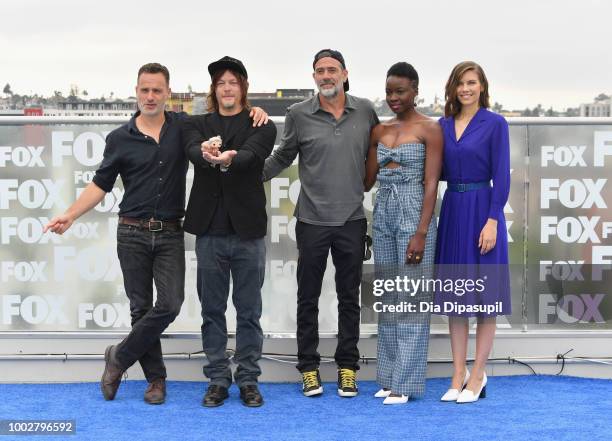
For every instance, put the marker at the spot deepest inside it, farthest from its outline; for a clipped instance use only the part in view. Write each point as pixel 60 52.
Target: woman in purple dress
pixel 472 235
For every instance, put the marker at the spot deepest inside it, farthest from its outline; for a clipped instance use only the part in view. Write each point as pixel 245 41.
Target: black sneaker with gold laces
pixel 311 383
pixel 347 382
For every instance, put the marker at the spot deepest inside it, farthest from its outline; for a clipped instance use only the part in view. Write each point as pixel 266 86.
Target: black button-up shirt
pixel 153 174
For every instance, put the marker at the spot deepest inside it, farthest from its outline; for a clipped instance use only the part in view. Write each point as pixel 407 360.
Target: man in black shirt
pixel 148 154
pixel 227 213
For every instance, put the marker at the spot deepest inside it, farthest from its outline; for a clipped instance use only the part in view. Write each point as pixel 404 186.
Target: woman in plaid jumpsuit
pixel 405 156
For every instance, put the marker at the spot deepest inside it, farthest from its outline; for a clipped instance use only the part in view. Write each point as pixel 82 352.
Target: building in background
pixel 199 104
pixel 6 109
pixel 98 107
pixel 600 107
pixel 33 111
pixel 180 102
pixel 276 103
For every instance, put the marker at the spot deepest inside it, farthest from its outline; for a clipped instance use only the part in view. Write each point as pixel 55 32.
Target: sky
pixel 555 53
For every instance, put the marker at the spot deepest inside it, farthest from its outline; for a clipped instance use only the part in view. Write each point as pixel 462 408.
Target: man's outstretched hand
pixel 59 224
pixel 224 158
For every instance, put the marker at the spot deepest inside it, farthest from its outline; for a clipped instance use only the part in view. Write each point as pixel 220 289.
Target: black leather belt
pixel 152 224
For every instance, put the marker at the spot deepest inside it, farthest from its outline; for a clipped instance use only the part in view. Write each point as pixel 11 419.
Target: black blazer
pixel 241 186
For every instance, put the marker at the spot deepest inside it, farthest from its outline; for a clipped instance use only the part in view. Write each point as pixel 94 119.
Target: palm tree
pixel 7 90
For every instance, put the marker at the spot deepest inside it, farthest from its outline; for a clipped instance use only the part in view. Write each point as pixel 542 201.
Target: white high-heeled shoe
pixel 453 394
pixel 467 396
pixel 382 393
pixel 396 400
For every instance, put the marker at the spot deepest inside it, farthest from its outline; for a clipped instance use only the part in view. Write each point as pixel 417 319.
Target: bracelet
pixel 225 168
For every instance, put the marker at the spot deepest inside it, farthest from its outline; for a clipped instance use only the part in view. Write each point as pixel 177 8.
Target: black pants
pixel 347 247
pixel 148 257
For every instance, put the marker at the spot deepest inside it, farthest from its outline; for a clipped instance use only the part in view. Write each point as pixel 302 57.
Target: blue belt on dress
pixel 461 188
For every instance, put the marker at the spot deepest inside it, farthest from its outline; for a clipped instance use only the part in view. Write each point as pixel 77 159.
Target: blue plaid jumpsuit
pixel 403 337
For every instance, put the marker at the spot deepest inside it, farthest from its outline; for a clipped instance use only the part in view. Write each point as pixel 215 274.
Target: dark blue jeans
pixel 218 256
pixel 148 257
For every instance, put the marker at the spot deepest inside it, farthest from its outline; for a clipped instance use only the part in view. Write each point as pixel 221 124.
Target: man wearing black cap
pixel 331 133
pixel 148 154
pixel 227 213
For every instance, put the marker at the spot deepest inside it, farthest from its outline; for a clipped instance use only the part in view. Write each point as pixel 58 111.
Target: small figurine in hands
pixel 211 153
pixel 212 146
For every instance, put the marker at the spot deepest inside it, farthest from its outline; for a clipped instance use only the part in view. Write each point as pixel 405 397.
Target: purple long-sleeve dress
pixel 481 155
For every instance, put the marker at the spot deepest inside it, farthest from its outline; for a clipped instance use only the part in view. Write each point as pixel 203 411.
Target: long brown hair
pixel 211 100
pixel 453 106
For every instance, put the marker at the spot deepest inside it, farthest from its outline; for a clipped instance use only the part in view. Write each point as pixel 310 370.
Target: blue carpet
pixel 516 408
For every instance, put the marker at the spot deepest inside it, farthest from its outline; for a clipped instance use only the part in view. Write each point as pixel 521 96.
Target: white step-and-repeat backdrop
pixel 558 220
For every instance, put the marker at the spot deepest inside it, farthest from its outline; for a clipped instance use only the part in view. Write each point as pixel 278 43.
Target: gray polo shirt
pixel 332 159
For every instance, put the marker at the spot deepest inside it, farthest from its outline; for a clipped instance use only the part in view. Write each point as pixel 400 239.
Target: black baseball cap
pixel 227 63
pixel 336 55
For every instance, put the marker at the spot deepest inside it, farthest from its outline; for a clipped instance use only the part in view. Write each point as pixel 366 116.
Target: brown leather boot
pixel 156 392
pixel 111 378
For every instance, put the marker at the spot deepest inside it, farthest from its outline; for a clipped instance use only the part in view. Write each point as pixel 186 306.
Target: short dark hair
pixel 154 68
pixel 403 69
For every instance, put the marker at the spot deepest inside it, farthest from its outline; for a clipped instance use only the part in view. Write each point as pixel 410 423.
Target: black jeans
pixel 218 256
pixel 148 257
pixel 347 247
